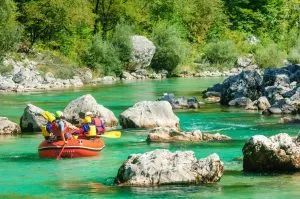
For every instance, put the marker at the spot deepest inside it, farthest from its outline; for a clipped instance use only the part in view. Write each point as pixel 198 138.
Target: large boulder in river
pixel 32 119
pixel 8 128
pixel 142 52
pixel 277 153
pixel 149 114
pixel 160 167
pixel 246 84
pixel 87 103
pixel 161 134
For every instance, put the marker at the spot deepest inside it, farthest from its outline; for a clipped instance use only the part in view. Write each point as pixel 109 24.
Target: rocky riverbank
pixel 275 92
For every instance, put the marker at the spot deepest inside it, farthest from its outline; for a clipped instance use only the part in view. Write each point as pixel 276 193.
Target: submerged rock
pixel 32 119
pixel 149 114
pixel 173 135
pixel 277 153
pixel 241 101
pixel 87 103
pixel 181 102
pixel 160 167
pixel 8 128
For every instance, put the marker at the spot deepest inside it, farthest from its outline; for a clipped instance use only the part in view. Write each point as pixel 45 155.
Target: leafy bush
pixel 294 55
pixel 269 56
pixel 121 41
pixel 10 32
pixel 103 56
pixel 220 52
pixel 170 49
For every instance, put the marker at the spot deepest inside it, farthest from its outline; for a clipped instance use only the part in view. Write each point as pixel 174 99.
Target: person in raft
pixel 88 129
pixel 97 121
pixel 46 129
pixel 59 128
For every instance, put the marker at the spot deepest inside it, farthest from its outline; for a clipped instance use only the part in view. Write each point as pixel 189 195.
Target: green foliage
pixel 10 31
pixel 269 56
pixel 121 41
pixel 294 55
pixel 5 69
pixel 58 24
pixel 203 19
pixel 108 14
pixel 220 53
pixel 170 49
pixel 103 56
pixel 67 27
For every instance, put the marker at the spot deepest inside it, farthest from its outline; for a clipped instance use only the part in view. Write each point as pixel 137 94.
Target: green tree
pixel 102 56
pixel 58 24
pixel 221 53
pixel 10 30
pixel 201 18
pixel 170 49
pixel 108 14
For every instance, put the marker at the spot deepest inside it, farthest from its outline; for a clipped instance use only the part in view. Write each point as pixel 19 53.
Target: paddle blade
pixel 112 134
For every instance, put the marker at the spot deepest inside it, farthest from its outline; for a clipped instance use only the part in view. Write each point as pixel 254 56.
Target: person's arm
pixel 62 128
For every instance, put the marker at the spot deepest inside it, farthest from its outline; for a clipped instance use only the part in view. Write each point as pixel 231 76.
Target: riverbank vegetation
pixel 96 34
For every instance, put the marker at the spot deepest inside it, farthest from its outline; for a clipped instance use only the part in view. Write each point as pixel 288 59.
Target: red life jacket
pixel 56 130
pixel 99 125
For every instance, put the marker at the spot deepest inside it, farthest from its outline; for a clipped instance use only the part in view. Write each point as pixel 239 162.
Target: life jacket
pixel 92 131
pixel 46 130
pixel 55 128
pixel 99 125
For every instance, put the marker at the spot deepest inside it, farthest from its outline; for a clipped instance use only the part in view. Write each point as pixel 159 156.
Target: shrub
pixel 220 52
pixel 170 49
pixel 269 56
pixel 103 56
pixel 121 41
pixel 294 55
pixel 10 32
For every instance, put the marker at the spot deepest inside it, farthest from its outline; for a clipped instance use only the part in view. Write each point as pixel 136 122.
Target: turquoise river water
pixel 24 175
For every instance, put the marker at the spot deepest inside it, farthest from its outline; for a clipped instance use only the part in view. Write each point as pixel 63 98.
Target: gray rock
pixel 127 76
pixel 149 114
pixel 87 103
pixel 252 106
pixel 244 62
pixel 8 128
pixel 276 77
pixel 142 54
pixel 32 119
pixel 246 84
pixel 277 153
pixel 160 167
pixel 108 79
pixel 263 103
pixel 253 40
pixel 241 101
pixel 181 102
pixel 161 134
pixel 6 84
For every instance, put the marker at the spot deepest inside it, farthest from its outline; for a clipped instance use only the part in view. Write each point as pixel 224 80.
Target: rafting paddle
pixel 59 155
pixel 111 134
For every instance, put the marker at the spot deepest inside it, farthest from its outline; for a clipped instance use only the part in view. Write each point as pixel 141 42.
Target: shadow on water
pixel 23 157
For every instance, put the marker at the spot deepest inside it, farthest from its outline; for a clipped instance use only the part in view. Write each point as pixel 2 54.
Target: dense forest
pixel 96 33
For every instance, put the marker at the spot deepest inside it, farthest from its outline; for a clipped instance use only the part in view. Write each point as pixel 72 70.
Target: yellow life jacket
pixel 92 132
pixel 44 131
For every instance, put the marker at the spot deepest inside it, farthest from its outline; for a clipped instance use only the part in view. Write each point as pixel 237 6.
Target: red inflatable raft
pixel 74 149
